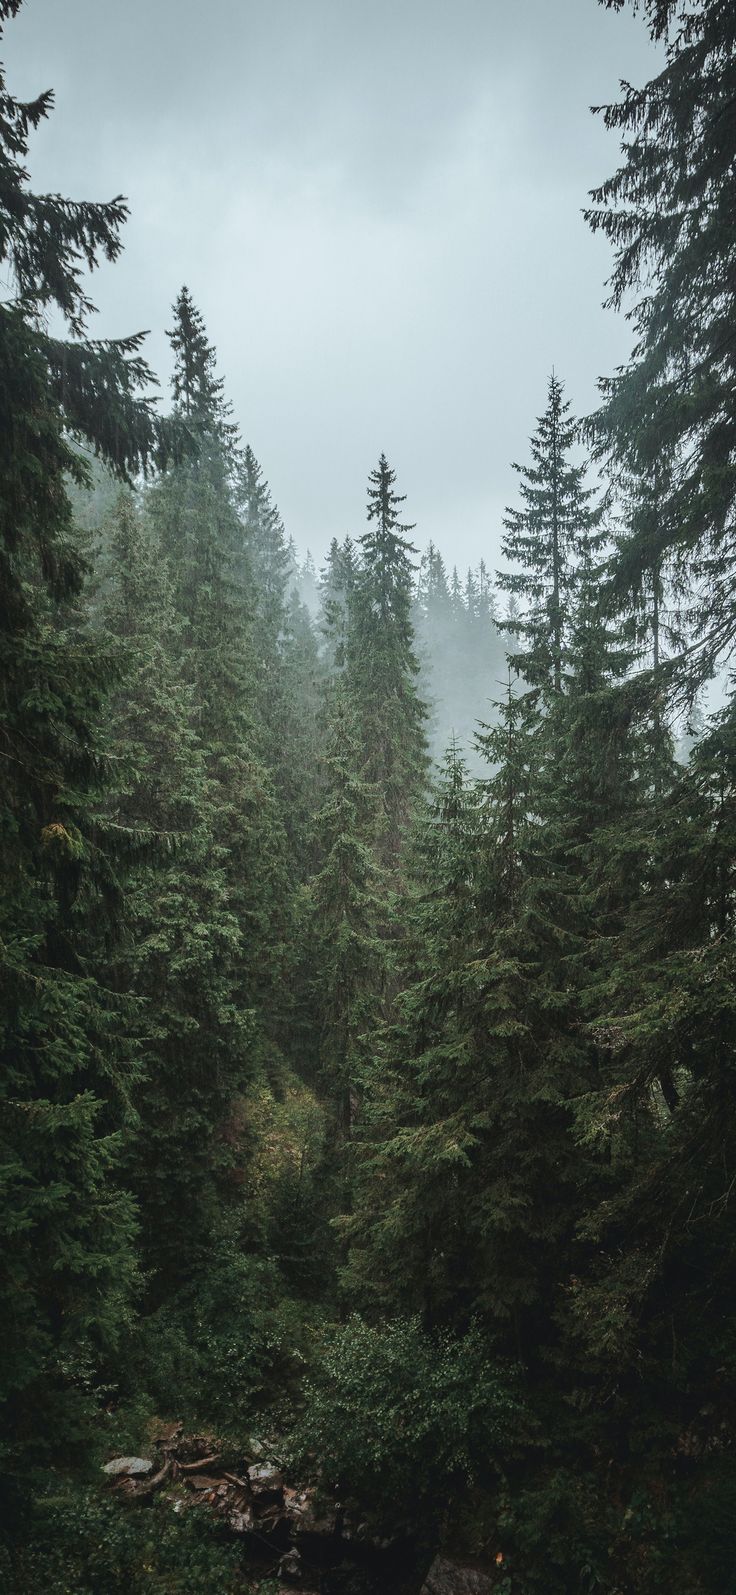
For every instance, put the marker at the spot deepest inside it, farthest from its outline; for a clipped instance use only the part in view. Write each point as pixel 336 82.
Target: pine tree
pixel 198 392
pixel 286 673
pixel 296 755
pixel 593 779
pixel 465 1182
pixel 382 665
pixel 658 1231
pixel 194 514
pixel 486 596
pixel 471 598
pixel 457 600
pixel 269 561
pixel 196 1043
pixel 336 587
pixel 67 1068
pixel 407 1232
pixel 667 212
pixel 350 950
pixel 539 537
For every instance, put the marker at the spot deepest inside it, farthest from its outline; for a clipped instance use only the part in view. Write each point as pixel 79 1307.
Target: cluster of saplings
pixel 392 1109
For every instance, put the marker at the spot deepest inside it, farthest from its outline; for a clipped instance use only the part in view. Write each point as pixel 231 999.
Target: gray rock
pixel 266 1482
pixel 454 1578
pixel 290 1567
pixel 127 1467
pixel 241 1520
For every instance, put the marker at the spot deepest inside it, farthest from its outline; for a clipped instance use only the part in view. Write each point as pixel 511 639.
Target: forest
pixel 368 975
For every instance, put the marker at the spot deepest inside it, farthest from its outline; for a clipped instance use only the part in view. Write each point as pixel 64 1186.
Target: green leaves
pixel 400 1418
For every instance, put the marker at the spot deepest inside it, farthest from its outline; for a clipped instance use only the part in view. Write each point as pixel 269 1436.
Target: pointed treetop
pixel 383 502
pixel 198 393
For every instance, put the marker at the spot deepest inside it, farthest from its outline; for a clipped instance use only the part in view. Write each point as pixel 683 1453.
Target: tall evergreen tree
pixel 66 1066
pixel 269 560
pixel 382 665
pixel 194 514
pixel 465 1183
pixel 349 914
pixel 667 212
pixel 556 508
pixel 284 651
pixel 336 586
pixel 195 1039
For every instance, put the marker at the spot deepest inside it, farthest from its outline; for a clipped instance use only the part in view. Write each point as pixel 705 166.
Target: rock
pixel 127 1467
pixel 306 1517
pixel 254 1448
pixel 266 1483
pixel 455 1578
pixel 241 1520
pixel 290 1567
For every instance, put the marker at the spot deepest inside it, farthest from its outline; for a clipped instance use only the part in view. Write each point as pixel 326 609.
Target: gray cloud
pixel 376 203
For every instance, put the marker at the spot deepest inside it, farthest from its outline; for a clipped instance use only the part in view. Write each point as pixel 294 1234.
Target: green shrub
pixel 400 1419
pixel 224 1348
pixel 86 1544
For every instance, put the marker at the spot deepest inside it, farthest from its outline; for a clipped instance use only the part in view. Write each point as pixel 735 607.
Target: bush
pixel 401 1420
pixel 224 1348
pixel 85 1544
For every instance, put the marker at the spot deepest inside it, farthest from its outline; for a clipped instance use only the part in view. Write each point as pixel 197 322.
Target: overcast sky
pixel 376 205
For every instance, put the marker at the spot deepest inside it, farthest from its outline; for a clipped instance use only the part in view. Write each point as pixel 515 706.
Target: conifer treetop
pixel 668 214
pixel 198 392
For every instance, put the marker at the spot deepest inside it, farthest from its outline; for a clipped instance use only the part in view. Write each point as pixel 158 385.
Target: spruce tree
pixel 286 675
pixel 193 510
pixel 67 1067
pixel 349 915
pixel 269 564
pixel 177 960
pixel 667 212
pixel 466 1177
pixel 382 665
pixel 336 586
pixel 407 1232
pixel 539 537
pixel 296 753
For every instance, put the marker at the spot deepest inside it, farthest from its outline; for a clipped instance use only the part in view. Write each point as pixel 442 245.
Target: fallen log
pixel 200 1464
pixel 143 1492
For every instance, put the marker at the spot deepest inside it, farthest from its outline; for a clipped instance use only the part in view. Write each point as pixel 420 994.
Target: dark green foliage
pixel 281 1030
pixel 194 513
pixel 668 212
pixel 66 1063
pixel 540 541
pixel 182 948
pixel 349 916
pixel 228 1344
pixel 475 1164
pixel 381 662
pixel 402 1419
pixel 83 1542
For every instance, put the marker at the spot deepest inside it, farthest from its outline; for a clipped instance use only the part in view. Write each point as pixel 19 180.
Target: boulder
pixel 266 1483
pixel 456 1578
pixel 127 1467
